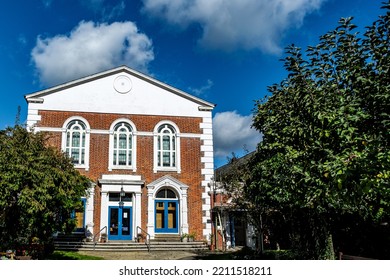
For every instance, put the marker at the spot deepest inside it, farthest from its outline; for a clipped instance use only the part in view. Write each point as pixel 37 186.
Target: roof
pixel 225 169
pixel 36 96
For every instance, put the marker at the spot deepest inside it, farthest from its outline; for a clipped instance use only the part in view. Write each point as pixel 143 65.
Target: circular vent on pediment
pixel 122 84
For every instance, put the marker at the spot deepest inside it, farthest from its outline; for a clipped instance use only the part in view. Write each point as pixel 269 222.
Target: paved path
pixel 156 255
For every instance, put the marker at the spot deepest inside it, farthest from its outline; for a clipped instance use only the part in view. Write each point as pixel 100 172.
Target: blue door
pixel 79 216
pixel 166 216
pixel 119 223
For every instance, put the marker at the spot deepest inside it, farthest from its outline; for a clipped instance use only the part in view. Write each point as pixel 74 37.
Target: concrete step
pixel 130 246
pixel 167 238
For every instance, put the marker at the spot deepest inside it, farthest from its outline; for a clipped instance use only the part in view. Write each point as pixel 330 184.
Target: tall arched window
pixel 166 146
pixel 76 141
pixel 123 145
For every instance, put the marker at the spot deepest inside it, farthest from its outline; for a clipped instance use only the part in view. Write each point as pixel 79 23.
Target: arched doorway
pixel 166 211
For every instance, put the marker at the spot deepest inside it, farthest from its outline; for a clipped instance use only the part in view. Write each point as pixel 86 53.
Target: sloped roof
pixel 227 168
pixel 34 97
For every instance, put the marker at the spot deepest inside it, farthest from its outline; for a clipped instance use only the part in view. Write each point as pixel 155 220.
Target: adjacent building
pixel 231 223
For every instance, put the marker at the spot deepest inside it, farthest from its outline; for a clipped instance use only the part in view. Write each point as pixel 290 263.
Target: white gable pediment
pixel 122 91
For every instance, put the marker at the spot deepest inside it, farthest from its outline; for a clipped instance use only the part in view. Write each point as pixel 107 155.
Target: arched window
pixel 123 145
pixel 76 141
pixel 166 146
pixel 166 193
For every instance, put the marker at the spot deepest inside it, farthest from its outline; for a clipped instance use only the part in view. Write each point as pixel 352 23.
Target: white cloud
pixel 236 24
pixel 233 133
pixel 90 48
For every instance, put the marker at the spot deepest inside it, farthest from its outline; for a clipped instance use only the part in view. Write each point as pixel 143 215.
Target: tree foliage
pixel 39 189
pixel 325 152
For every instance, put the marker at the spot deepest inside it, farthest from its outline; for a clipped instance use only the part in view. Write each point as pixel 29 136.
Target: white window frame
pixel 133 165
pixel 158 151
pixel 87 131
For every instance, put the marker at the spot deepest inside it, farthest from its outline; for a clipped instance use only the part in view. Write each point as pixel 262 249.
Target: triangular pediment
pixel 119 90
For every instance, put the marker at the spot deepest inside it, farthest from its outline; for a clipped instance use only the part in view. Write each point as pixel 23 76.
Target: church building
pixel 146 146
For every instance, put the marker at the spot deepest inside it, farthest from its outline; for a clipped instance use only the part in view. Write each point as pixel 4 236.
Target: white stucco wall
pixel 99 95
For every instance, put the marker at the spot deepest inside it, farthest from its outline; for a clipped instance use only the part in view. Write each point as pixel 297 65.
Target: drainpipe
pixel 212 212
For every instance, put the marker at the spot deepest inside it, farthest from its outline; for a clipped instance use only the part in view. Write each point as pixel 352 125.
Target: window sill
pixel 166 169
pixel 81 166
pixel 121 167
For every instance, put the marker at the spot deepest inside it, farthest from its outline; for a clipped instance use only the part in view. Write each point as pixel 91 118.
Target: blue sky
pixel 224 51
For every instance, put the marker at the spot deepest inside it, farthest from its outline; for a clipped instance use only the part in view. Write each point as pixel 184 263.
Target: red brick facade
pixel 190 156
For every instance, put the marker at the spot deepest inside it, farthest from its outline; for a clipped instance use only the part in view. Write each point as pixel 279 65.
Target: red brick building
pixel 147 148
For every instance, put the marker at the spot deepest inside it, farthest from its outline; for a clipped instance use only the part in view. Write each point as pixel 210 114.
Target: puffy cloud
pixel 236 24
pixel 233 133
pixel 90 48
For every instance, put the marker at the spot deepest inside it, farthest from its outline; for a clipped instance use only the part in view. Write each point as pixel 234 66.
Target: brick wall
pixel 99 152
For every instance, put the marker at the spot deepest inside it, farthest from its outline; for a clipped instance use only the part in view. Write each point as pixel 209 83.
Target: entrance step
pixel 112 246
pixel 77 242
pixel 166 238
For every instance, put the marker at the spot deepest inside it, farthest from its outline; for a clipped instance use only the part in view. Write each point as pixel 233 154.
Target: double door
pixel 120 223
pixel 166 218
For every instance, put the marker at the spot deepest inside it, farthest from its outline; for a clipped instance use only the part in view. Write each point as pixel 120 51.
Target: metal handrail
pixel 95 235
pixel 147 241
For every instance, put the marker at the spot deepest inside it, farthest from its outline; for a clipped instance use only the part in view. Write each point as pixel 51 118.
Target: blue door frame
pixel 166 219
pixel 74 216
pixel 120 223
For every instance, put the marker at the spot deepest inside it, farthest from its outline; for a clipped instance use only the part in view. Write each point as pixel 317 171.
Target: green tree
pixel 325 154
pixel 39 190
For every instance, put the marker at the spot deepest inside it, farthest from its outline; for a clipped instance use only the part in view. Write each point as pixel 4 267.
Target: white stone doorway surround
pixel 181 191
pixel 114 184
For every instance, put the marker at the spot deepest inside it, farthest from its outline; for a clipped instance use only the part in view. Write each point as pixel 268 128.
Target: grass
pixel 64 255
